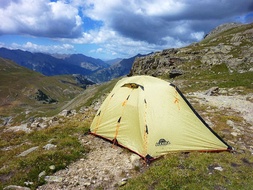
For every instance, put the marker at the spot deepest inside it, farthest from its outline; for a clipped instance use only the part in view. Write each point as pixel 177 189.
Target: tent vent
pixel 145 101
pixel 133 86
pixel 128 96
pixel 119 120
pixel 99 113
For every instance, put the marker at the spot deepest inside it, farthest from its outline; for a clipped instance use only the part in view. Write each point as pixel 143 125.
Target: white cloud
pixel 99 50
pixel 40 18
pixel 126 27
pixel 197 35
pixel 29 46
pixel 162 8
pixel 154 20
pixel 151 25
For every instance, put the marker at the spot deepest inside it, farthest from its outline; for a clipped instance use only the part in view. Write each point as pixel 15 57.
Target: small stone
pixel 28 183
pixel 106 179
pixel 134 159
pixel 124 179
pixel 52 167
pixel 234 134
pixel 122 183
pixel 22 127
pixel 219 168
pixel 15 187
pixel 174 73
pixel 87 184
pixel 212 91
pixel 53 178
pixel 49 146
pixel 28 151
pixel 41 174
pixel 65 113
pixel 230 123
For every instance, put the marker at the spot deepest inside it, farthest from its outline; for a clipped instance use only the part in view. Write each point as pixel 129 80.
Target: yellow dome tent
pixel 151 117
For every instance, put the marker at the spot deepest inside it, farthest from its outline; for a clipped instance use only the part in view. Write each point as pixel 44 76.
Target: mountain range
pixel 43 63
pixel 50 65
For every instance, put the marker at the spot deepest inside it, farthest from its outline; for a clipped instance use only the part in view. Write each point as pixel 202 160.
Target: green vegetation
pixel 17 170
pixel 218 75
pixel 197 171
pixel 101 90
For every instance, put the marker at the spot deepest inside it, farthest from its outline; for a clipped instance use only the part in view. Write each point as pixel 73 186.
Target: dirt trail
pixel 106 166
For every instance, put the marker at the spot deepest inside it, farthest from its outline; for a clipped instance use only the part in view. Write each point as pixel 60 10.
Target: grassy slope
pixel 205 76
pixel 18 86
pixel 197 171
pixel 90 95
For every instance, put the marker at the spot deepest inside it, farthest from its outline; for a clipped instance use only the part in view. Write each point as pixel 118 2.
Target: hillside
pixel 86 62
pixel 116 70
pixel 25 93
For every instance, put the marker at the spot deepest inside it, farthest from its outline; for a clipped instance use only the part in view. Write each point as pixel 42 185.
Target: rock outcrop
pixel 231 45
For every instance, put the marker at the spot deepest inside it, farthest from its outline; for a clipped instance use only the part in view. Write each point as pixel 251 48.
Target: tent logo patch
pixel 162 142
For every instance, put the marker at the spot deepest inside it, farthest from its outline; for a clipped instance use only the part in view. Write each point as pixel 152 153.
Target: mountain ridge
pixel 118 69
pixel 231 48
pixel 50 65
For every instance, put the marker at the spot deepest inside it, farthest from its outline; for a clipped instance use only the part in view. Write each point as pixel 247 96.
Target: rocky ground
pixel 108 166
pixel 238 110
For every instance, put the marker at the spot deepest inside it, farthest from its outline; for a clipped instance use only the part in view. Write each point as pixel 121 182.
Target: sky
pixel 109 29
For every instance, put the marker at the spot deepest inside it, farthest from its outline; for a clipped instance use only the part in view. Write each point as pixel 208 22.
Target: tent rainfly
pixel 151 117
